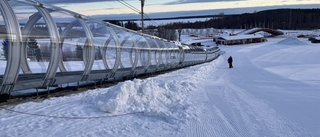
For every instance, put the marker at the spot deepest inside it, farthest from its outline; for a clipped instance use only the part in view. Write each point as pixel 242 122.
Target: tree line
pixel 290 19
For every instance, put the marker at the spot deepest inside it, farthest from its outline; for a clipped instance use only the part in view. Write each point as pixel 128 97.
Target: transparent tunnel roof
pixel 55 39
pixel 43 45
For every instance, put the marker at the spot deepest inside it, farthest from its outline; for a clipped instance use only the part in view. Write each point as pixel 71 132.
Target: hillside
pixel 272 91
pixel 290 19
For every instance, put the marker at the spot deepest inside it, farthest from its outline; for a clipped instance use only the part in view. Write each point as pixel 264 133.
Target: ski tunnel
pixel 44 46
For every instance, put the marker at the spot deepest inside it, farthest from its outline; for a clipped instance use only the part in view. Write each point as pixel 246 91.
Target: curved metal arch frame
pixel 71 25
pixel 166 52
pixel 118 49
pixel 26 32
pixel 174 51
pixel 63 36
pixel 104 55
pixel 57 52
pixel 162 51
pixel 121 45
pixel 55 44
pixel 49 79
pixel 55 59
pixel 135 48
pixel 157 51
pixel 149 53
pixel 88 49
pixel 182 55
pixel 14 38
pixel 178 55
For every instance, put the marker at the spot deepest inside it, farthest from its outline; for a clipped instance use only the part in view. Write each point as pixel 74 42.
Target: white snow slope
pixel 273 90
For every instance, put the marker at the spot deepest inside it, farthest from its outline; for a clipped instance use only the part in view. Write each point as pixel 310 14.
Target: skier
pixel 230 60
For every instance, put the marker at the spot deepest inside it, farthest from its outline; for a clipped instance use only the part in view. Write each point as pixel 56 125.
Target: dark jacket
pixel 230 60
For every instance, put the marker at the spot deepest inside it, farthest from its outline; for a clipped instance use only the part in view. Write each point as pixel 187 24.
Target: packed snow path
pixel 273 90
pixel 250 101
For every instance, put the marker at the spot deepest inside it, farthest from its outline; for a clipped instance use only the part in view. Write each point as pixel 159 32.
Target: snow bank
pixel 264 95
pixel 165 99
pixel 292 41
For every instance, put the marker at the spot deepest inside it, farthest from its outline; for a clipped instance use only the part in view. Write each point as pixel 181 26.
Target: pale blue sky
pixel 109 7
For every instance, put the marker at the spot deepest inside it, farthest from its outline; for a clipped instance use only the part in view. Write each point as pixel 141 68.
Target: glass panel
pixel 110 52
pixel 73 42
pixel 39 48
pixel 163 53
pixel 154 51
pixel 3 46
pixel 157 55
pixel 36 39
pixel 174 53
pixel 101 35
pixel 188 56
pixel 144 50
pixel 128 49
pixel 169 56
pixel 72 48
pixel 105 46
pixel 171 53
pixel 73 39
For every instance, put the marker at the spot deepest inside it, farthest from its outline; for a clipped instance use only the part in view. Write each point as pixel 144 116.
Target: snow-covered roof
pixel 220 35
pixel 197 41
pixel 255 30
pixel 248 31
pixel 239 37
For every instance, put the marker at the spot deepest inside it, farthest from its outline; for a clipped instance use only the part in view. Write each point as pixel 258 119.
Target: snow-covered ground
pixel 273 90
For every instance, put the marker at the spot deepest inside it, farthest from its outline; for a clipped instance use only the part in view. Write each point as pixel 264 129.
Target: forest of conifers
pixel 276 19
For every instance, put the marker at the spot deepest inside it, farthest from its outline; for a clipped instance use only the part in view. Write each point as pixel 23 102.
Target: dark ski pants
pixel 230 65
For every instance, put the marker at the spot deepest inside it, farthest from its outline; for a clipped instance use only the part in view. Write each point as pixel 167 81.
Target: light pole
pixel 142 24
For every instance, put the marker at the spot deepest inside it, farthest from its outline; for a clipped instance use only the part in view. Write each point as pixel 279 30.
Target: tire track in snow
pixel 258 117
pixel 233 111
pixel 228 114
pixel 211 122
pixel 227 119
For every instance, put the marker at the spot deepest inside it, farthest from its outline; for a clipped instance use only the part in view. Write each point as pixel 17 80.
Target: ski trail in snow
pixel 230 111
pixel 207 100
pixel 258 118
pixel 213 122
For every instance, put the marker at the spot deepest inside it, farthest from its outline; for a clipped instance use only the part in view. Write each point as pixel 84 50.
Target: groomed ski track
pixel 248 100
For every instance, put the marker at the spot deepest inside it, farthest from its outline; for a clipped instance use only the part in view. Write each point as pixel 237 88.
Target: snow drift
pixel 166 99
pixel 292 41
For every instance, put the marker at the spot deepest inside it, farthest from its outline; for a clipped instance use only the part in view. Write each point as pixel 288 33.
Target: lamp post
pixel 142 24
